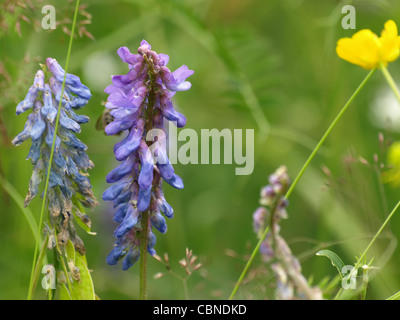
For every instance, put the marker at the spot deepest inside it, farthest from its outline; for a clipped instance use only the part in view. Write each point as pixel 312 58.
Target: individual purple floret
pixel 69 185
pixel 139 101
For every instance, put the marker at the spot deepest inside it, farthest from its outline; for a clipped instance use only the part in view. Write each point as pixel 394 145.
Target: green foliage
pixel 79 283
pixel 335 260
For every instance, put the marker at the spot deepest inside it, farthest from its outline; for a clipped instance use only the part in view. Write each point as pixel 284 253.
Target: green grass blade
pixel 13 193
pixel 36 273
pixel 396 296
pixel 336 261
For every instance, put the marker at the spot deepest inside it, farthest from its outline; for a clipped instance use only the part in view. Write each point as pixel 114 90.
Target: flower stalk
pixel 390 81
pixel 143 261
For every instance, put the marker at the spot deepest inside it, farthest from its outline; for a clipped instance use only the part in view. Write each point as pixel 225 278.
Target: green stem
pixel 31 284
pixel 303 169
pixel 185 288
pixel 390 81
pixel 149 115
pixel 246 268
pixel 143 256
pixel 37 270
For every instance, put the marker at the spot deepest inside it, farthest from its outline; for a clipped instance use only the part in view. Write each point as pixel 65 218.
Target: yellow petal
pixel 389 41
pixel 361 49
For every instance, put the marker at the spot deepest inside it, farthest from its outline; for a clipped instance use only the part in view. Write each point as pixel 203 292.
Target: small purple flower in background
pixel 291 284
pixel 139 101
pixel 69 186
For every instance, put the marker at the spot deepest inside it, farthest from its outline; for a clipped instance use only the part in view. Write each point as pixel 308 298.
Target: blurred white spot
pixel 98 68
pixel 385 110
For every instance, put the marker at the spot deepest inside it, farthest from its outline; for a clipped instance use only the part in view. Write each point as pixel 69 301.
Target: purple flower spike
pixel 140 101
pixel 69 186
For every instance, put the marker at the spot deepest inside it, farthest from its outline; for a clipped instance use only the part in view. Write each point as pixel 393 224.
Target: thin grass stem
pixel 390 81
pixel 37 270
pixel 248 264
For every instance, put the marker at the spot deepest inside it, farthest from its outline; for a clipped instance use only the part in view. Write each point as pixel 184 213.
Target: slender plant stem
pixel 390 81
pixel 36 273
pixel 303 169
pixel 246 268
pixel 149 114
pixel 143 255
pixel 185 288
pixel 31 284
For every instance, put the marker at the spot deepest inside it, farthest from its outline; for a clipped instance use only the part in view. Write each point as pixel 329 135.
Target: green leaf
pixel 80 217
pixel 64 293
pixel 70 251
pixel 82 289
pixel 80 222
pixel 335 259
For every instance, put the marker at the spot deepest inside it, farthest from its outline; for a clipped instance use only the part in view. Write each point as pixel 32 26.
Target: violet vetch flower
pixel 291 284
pixel 69 186
pixel 139 101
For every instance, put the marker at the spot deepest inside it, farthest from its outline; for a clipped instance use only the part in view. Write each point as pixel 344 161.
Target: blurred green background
pixel 270 66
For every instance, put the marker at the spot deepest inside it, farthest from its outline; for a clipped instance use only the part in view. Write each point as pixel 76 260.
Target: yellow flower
pixel 367 50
